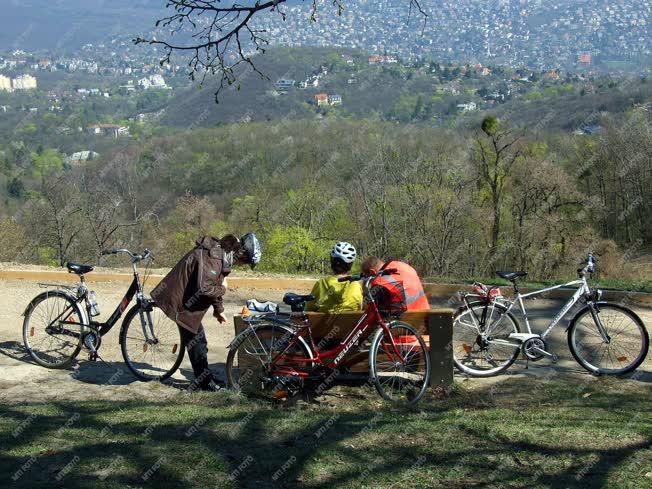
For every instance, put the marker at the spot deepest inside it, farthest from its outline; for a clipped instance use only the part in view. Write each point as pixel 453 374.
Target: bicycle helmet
pixel 252 246
pixel 344 251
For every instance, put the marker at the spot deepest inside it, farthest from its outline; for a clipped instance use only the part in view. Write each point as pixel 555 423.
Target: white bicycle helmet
pixel 344 251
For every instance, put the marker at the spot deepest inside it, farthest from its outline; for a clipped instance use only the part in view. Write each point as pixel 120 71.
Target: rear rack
pixel 56 286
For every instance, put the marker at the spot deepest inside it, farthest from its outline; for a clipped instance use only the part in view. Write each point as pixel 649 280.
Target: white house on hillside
pixel 80 157
pixel 24 82
pixel 114 130
pixel 468 107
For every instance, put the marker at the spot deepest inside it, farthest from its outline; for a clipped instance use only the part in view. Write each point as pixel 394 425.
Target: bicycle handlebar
pixel 351 278
pixel 135 257
pixel 360 276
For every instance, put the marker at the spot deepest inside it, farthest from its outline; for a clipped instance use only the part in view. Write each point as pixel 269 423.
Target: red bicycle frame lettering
pixel 334 357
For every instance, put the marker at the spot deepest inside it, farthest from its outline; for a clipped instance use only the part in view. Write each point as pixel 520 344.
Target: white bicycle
pixel 603 337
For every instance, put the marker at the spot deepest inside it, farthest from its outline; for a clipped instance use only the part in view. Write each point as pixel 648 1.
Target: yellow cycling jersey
pixel 333 296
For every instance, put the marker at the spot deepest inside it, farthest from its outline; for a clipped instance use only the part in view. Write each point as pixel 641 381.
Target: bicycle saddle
pixel 511 275
pixel 79 269
pixel 292 299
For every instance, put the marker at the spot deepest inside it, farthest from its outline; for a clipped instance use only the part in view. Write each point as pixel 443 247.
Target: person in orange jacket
pixel 416 299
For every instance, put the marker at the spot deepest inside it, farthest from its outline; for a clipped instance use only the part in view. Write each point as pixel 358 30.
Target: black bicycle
pixel 59 324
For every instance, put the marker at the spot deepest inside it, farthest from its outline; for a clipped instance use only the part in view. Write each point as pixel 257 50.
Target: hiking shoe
pixel 211 386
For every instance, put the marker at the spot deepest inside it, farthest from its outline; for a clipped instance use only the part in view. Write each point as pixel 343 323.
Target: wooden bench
pixel 435 325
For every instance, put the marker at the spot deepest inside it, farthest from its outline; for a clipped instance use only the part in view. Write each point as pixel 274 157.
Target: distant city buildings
pixel 22 82
pixel 153 81
pixel 81 157
pixel 335 100
pixel 311 81
pixel 468 107
pixel 283 85
pixel 5 83
pixel 378 59
pixel 321 99
pixel 539 34
pixel 113 130
pixel 324 99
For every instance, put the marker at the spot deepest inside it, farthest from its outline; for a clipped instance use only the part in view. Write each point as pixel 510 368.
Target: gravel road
pixel 22 381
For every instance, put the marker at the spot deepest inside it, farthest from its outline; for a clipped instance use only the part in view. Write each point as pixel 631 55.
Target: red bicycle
pixel 276 354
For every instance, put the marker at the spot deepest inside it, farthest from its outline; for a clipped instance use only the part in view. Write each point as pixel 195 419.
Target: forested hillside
pixel 459 168
pixel 419 91
pixel 455 202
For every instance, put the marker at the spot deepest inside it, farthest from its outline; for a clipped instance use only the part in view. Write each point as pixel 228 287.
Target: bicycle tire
pixel 234 379
pixel 29 330
pixel 175 345
pixel 576 350
pixel 403 371
pixel 482 372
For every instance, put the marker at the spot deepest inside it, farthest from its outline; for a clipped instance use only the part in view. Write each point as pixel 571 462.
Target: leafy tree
pixel 16 188
pixel 54 211
pixel 47 163
pixel 295 249
pixel 494 156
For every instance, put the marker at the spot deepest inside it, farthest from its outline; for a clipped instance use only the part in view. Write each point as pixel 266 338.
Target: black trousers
pixel 197 348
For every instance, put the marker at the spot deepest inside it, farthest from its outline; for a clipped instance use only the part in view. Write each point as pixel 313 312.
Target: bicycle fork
pixel 147 324
pixel 598 323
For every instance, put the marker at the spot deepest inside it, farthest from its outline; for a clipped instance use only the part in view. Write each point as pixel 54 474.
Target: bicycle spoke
pixel 48 342
pixel 402 377
pixel 625 348
pixel 489 352
pixel 152 357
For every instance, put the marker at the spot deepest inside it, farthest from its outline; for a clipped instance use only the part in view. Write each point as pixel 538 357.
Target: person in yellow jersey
pixel 332 296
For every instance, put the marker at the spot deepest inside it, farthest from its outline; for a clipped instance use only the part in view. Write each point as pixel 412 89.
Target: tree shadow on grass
pixel 226 441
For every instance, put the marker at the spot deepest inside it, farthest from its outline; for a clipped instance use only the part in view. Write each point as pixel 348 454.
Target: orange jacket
pixel 416 298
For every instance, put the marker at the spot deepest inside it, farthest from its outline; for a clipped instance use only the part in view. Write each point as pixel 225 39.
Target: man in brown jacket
pixel 194 285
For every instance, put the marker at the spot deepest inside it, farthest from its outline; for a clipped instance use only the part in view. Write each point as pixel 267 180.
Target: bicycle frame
pixel 334 357
pixel 102 328
pixel 581 290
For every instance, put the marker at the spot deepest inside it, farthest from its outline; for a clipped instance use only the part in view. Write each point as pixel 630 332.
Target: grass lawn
pixel 554 434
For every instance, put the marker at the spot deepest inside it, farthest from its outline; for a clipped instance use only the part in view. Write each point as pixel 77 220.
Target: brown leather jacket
pixel 194 284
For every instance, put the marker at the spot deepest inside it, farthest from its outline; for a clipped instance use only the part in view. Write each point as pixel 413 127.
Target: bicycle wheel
pixel 151 358
pixel 401 379
pixel 477 353
pixel 52 329
pixel 248 364
pixel 628 340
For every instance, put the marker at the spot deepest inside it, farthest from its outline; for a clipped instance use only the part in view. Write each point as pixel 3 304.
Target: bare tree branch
pixel 222 37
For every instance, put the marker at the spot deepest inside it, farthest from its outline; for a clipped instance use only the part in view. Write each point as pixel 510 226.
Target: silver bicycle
pixel 603 337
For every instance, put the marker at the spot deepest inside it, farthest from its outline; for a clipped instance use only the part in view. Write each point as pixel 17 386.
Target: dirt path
pixel 22 381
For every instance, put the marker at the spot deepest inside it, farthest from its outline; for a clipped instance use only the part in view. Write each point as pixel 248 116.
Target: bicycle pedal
pixel 554 358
